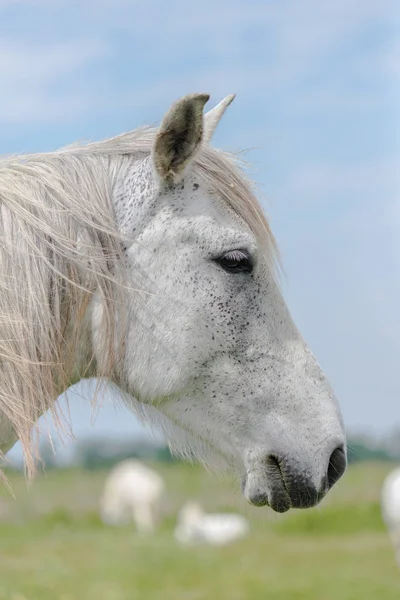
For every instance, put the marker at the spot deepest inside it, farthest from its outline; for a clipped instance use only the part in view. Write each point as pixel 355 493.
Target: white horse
pixel 132 492
pixel 195 526
pixel 146 260
pixel 390 501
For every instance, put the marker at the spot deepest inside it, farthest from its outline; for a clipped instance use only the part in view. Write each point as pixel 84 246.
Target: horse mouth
pixel 278 498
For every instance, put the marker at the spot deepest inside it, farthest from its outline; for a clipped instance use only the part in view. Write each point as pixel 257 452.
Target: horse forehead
pixel 204 230
pixel 204 216
pixel 192 199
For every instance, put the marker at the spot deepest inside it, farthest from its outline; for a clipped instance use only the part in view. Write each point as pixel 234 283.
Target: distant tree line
pixel 369 448
pixel 358 451
pixel 103 454
pixel 99 453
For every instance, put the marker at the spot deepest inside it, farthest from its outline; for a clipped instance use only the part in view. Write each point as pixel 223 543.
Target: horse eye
pixel 236 261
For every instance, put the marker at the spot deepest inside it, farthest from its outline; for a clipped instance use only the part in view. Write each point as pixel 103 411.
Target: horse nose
pixel 291 487
pixel 337 466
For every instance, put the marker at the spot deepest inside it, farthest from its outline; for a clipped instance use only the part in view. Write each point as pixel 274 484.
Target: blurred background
pixel 317 112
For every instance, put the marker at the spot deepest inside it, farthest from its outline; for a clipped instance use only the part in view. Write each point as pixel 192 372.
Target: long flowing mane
pixel 59 245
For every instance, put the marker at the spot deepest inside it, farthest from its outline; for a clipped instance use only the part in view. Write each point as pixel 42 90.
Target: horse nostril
pixel 273 463
pixel 337 465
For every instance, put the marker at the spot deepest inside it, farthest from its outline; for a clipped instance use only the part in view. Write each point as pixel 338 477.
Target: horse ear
pixel 213 117
pixel 179 136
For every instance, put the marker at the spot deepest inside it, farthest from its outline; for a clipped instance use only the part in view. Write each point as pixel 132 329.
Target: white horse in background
pixel 133 492
pixel 390 501
pixel 196 526
pixel 146 260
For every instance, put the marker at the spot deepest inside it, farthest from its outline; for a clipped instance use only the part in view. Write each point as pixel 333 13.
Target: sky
pixel 317 110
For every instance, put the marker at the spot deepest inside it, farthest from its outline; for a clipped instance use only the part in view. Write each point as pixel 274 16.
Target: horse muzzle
pixel 283 482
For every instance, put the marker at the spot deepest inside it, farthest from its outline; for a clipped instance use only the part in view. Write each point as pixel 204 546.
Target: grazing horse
pixel 132 492
pixel 195 526
pixel 146 260
pixel 390 501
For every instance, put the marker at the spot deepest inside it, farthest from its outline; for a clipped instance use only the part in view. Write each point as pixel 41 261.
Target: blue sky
pixel 317 87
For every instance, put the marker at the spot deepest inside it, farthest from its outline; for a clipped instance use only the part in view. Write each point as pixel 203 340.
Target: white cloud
pixel 316 182
pixel 255 48
pixel 38 82
pixel 26 63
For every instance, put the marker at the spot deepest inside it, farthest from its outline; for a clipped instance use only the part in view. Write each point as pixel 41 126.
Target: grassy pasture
pixel 54 547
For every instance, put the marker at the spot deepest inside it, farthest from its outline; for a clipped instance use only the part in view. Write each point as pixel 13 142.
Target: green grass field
pixel 53 546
